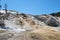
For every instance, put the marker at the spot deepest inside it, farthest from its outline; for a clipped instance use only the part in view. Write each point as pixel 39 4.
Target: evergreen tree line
pixel 56 14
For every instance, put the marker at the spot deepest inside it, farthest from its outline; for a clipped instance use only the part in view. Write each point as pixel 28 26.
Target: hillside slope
pixel 20 26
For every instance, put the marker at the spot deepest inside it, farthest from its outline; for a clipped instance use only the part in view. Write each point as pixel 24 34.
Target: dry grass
pixel 2 31
pixel 37 34
pixel 45 34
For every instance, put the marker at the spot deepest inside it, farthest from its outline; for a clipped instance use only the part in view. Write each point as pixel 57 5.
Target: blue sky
pixel 33 6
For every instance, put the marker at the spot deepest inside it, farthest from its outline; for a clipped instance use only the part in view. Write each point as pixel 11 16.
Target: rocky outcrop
pixel 30 21
pixel 49 20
